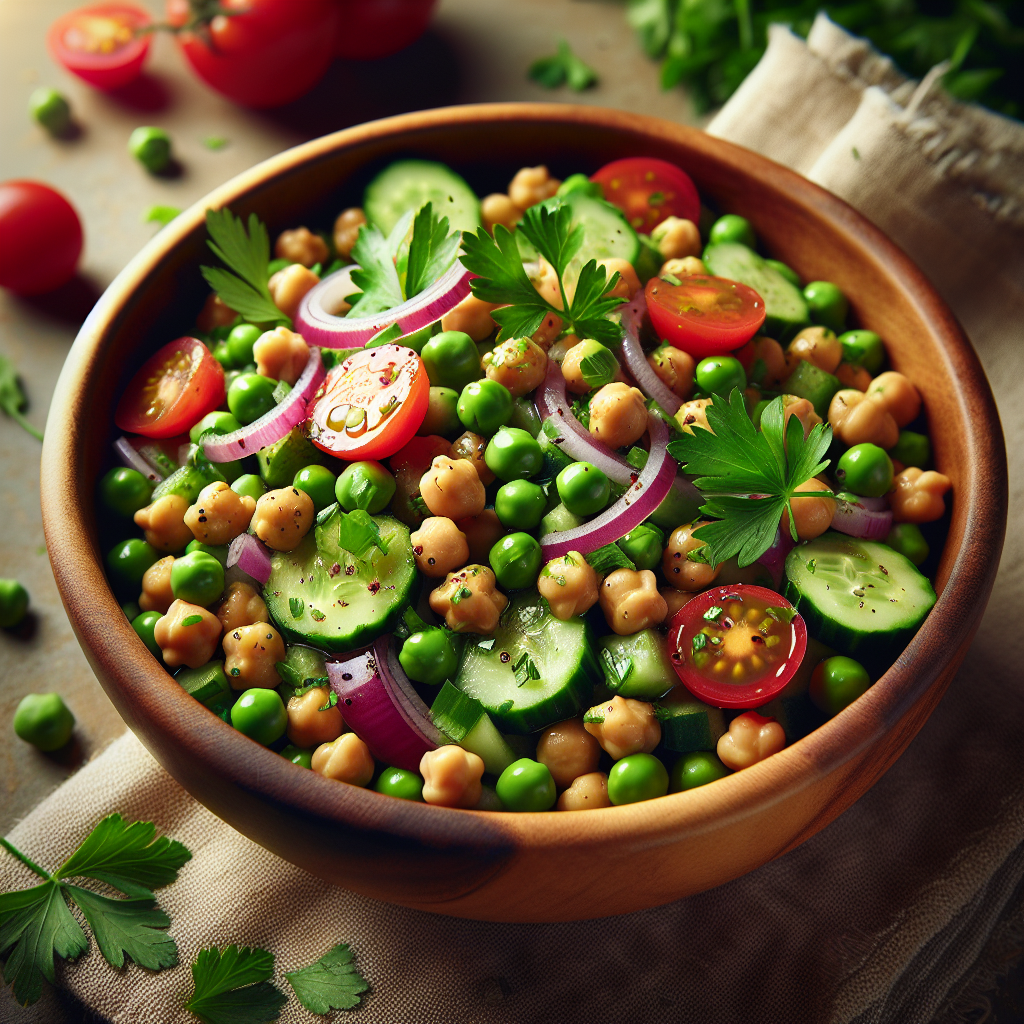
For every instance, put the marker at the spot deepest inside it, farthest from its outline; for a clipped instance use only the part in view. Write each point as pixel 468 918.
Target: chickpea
pixel 251 656
pixel 472 446
pixel 472 316
pixel 409 465
pixel 438 547
pixel 452 488
pixel 916 496
pixel 219 514
pixel 751 738
pixel 545 280
pixel 469 601
pixel 346 759
pixel 346 230
pixel 625 727
pixel 677 238
pixel 569 751
pixel 856 418
pixel 308 726
pixel 300 245
pixel 289 286
pixel 192 645
pixel 674 600
pixel 549 330
pixel 694 413
pixel 628 283
pixel 156 593
pixel 769 351
pixel 482 533
pixel 675 369
pixel 451 776
pixel 683 572
pixel 587 793
pixel 897 396
pixel 631 602
pixel 519 364
pixel 813 515
pixel 241 606
pixel 618 415
pixel 572 364
pixel 816 345
pixel 853 376
pixel 281 354
pixel 802 409
pixel 685 267
pixel 283 517
pixel 532 185
pixel 497 208
pixel 164 523
pixel 215 313
pixel 569 585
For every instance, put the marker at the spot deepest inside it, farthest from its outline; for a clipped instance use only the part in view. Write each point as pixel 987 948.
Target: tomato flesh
pixel 40 238
pixel 737 646
pixel 370 405
pixel 174 389
pixel 704 315
pixel 648 190
pixel 101 43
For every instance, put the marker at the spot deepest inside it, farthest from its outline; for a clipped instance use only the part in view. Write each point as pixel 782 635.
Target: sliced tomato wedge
pixel 370 405
pixel 704 315
pixel 737 646
pixel 174 389
pixel 648 190
pixel 101 43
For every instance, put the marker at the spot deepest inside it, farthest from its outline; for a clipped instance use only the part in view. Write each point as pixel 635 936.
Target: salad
pixel 562 498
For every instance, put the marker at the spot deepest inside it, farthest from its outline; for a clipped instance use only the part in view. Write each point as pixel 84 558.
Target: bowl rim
pixel 979 512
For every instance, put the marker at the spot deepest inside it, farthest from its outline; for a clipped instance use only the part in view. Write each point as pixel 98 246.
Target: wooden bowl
pixel 529 867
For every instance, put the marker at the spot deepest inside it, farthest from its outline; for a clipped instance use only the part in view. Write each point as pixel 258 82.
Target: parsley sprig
pixel 12 397
pixel 735 460
pixel 503 279
pixel 563 68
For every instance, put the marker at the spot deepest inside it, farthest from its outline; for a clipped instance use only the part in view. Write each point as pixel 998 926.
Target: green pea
pixel 827 304
pixel 698 769
pixel 525 416
pixel 732 228
pixel 442 413
pixel 837 682
pixel 451 359
pixel 643 546
pixel 527 785
pixel 513 454
pixel 197 578
pixel 520 503
pixel 787 272
pixel 240 342
pixel 250 485
pixel 319 483
pixel 129 560
pixel 912 449
pixel 719 375
pixel 637 777
pixel 401 783
pixel 218 551
pixel 251 396
pixel 429 657
pixel 145 625
pixel 222 354
pixel 865 469
pixel 516 560
pixel 580 183
pixel 864 348
pixel 13 603
pixel 43 720
pixel 50 109
pixel 366 485
pixel 260 714
pixel 124 491
pixel 484 406
pixel 583 488
pixel 151 147
pixel 908 540
pixel 302 756
pixel 219 422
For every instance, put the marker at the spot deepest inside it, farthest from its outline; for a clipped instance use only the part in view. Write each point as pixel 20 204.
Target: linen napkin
pixel 896 910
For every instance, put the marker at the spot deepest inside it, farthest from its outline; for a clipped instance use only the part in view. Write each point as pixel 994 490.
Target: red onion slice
pixel 251 556
pixel 856 520
pixel 647 380
pixel 132 458
pixel 271 426
pixel 774 559
pixel 319 326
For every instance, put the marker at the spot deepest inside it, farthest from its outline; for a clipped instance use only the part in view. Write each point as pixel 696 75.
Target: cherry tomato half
pixel 648 190
pixel 101 44
pixel 371 404
pixel 704 315
pixel 174 389
pixel 265 53
pixel 40 238
pixel 369 29
pixel 737 646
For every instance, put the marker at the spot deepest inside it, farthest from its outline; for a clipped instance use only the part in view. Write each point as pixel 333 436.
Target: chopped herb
pixel 332 983
pixel 461 594
pixel 712 614
pixel 331 701
pixel 486 645
pixel 317 615
pixel 296 607
pixel 856 153
pixel 356 532
pixel 525 669
pixel 599 367
pixel 594 716
pixel 505 707
pixel 608 559
pixel 781 614
pixel 234 986
pixel 700 641
pixel 581 409
pixel 618 667
pixel 12 397
pixel 812 565
pixel 562 68
pixel 192 620
pixel 671 279
pixel 160 214
pixel 215 142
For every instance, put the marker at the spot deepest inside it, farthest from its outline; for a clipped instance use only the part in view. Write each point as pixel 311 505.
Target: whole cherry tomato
pixel 378 28
pixel 40 238
pixel 101 43
pixel 648 190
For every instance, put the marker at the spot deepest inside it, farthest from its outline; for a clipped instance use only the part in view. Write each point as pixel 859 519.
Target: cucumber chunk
pixel 858 596
pixel 560 655
pixel 688 724
pixel 208 684
pixel 463 719
pixel 637 666
pixel 816 385
pixel 409 184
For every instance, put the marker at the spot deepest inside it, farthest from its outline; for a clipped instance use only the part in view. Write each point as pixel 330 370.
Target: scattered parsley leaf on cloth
pixel 233 987
pixel 432 250
pixel 332 983
pixel 162 215
pixel 12 397
pixel 564 67
pixel 377 278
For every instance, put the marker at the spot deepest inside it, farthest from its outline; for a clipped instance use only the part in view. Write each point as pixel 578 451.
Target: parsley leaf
pixel 377 277
pixel 332 983
pixel 734 460
pixel 355 532
pixel 561 68
pixel 162 215
pixel 617 666
pixel 12 398
pixel 608 559
pixel 599 367
pixel 525 669
pixel 431 251
pixel 132 926
pixel 233 987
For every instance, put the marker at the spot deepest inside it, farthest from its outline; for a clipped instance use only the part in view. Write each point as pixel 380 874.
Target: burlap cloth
pixel 893 912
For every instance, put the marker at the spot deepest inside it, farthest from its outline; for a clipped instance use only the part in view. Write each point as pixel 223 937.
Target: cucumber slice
pixel 688 724
pixel 335 601
pixel 301 666
pixel 208 684
pixel 858 596
pixel 463 719
pixel 409 184
pixel 562 653
pixel 637 666
pixel 555 459
pixel 606 232
pixel 816 385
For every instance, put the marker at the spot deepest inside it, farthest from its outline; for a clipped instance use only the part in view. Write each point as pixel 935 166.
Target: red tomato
pixel 174 389
pixel 378 28
pixel 100 43
pixel 269 53
pixel 649 190
pixel 40 238
pixel 737 646
pixel 704 315
pixel 371 404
